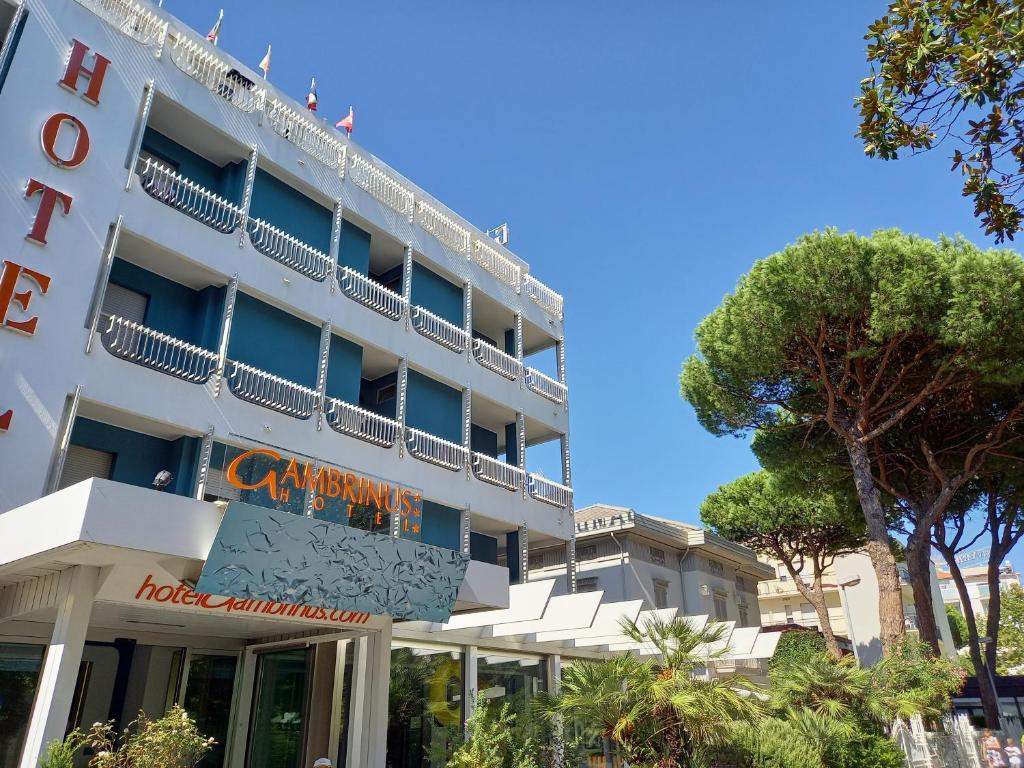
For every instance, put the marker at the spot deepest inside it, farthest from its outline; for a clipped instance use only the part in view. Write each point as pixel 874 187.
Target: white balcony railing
pixel 172 189
pixel 381 185
pixel 370 293
pixel 288 250
pixel 206 68
pixel 131 18
pixel 499 265
pixel 305 133
pixel 549 491
pixel 159 351
pixel 442 226
pixel 436 450
pixel 489 356
pixel 438 329
pixel 496 472
pixel 544 296
pixel 273 392
pixel 545 386
pixel 357 422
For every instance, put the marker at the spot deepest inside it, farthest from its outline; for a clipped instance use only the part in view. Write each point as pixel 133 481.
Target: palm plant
pixel 656 709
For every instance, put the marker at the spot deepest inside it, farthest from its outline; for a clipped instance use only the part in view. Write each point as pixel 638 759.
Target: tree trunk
pixel 994 606
pixel 919 568
pixel 890 599
pixel 988 694
pixel 815 595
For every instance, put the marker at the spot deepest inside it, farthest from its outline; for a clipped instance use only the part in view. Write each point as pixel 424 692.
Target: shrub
pixel 173 741
pixel 772 743
pixel 796 647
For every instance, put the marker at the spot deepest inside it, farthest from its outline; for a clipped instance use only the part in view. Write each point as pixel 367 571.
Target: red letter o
pixel 52 127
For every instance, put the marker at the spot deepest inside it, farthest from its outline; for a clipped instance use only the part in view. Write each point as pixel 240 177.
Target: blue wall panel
pixel 434 293
pixel 290 210
pixel 227 181
pixel 483 549
pixel 441 525
pixel 434 407
pixel 138 457
pixel 483 441
pixel 275 341
pixel 344 369
pixel 354 248
pixel 192 316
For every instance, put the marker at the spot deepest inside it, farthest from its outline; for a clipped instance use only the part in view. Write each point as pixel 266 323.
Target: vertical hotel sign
pixel 20 283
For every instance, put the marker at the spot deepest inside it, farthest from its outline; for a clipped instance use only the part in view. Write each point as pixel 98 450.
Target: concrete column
pixel 99 291
pixel 203 470
pixel 380 682
pixel 471 654
pixel 521 446
pixel 225 333
pixel 403 387
pixel 519 346
pixel 465 531
pixel 560 360
pixel 570 565
pixel 566 465
pixel 75 592
pixel 467 319
pixel 407 282
pixel 67 423
pixel 467 429
pixel 332 279
pixel 321 373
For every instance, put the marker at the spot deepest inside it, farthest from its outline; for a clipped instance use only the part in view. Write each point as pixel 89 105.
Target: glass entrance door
pixel 280 697
pixel 19 673
pixel 209 693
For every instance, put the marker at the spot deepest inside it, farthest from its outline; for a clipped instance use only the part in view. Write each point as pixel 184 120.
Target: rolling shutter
pixel 126 303
pixel 82 463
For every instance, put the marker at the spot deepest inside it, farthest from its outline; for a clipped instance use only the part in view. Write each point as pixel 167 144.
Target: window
pixel 586 552
pixel 657 556
pixel 807 610
pixel 744 616
pixel 506 679
pixel 126 303
pixel 589 584
pixel 82 463
pixel 536 561
pixel 660 593
pixel 19 673
pixel 425 705
pixel 789 614
pixel 741 584
pixel 385 393
pixel 715 568
pixel 721 606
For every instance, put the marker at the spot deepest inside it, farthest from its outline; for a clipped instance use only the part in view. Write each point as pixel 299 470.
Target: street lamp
pixel 983 641
pixel 849 619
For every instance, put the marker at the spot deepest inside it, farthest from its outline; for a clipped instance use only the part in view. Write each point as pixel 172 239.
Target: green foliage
pixel 796 647
pixel 771 743
pixel 61 754
pixel 1010 649
pixel 957 626
pixel 654 710
pixel 952 70
pixel 172 741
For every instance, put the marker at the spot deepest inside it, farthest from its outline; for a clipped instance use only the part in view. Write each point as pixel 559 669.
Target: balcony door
pixel 280 710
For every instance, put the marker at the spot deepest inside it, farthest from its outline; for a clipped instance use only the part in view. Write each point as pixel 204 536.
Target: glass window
pixel 510 679
pixel 721 606
pixel 587 584
pixel 657 556
pixel 660 593
pixel 208 694
pixel 424 706
pixel 715 568
pixel 279 709
pixel 19 673
pixel 744 616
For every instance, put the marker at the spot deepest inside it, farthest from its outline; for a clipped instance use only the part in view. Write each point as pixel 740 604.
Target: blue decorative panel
pixel 270 555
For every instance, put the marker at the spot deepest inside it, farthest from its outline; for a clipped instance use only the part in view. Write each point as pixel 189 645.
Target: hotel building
pixel 215 307
pixel 976 580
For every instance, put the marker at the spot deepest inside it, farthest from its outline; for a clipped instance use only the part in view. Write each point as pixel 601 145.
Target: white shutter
pixel 126 303
pixel 82 463
pixel 217 485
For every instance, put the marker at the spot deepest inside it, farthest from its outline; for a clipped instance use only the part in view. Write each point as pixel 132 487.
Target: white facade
pixel 976 580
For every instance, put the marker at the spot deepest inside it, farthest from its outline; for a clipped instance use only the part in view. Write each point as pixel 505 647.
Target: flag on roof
pixel 346 122
pixel 265 64
pixel 214 34
pixel 311 98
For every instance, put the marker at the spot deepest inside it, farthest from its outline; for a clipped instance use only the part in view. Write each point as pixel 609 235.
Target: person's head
pixel 322 762
pixel 987 733
pixel 1009 742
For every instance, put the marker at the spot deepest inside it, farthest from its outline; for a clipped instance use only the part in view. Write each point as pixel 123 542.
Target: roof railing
pixel 499 265
pixel 305 133
pixel 133 19
pixel 445 228
pixel 546 298
pixel 381 185
pixel 549 491
pixel 202 65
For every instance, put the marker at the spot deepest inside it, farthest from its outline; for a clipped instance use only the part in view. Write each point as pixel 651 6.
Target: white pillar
pixel 471 656
pixel 75 592
pixel 380 683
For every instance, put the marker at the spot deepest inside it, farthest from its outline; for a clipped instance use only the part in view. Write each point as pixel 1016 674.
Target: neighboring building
pixel 851 594
pixel 976 579
pixel 664 563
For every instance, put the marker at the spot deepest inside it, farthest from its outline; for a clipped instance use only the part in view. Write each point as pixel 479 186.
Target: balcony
pixel 442 226
pixel 365 425
pixel 548 491
pixel 288 250
pixel 273 392
pixel 131 18
pixel 370 293
pixel 494 359
pixel 435 450
pixel 502 267
pixel 304 133
pixel 545 386
pixel 221 79
pixel 381 185
pixel 144 346
pixel 170 188
pixel 439 330
pixel 543 296
pixel 497 472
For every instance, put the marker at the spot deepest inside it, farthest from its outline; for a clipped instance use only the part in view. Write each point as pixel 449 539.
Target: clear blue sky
pixel 644 155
